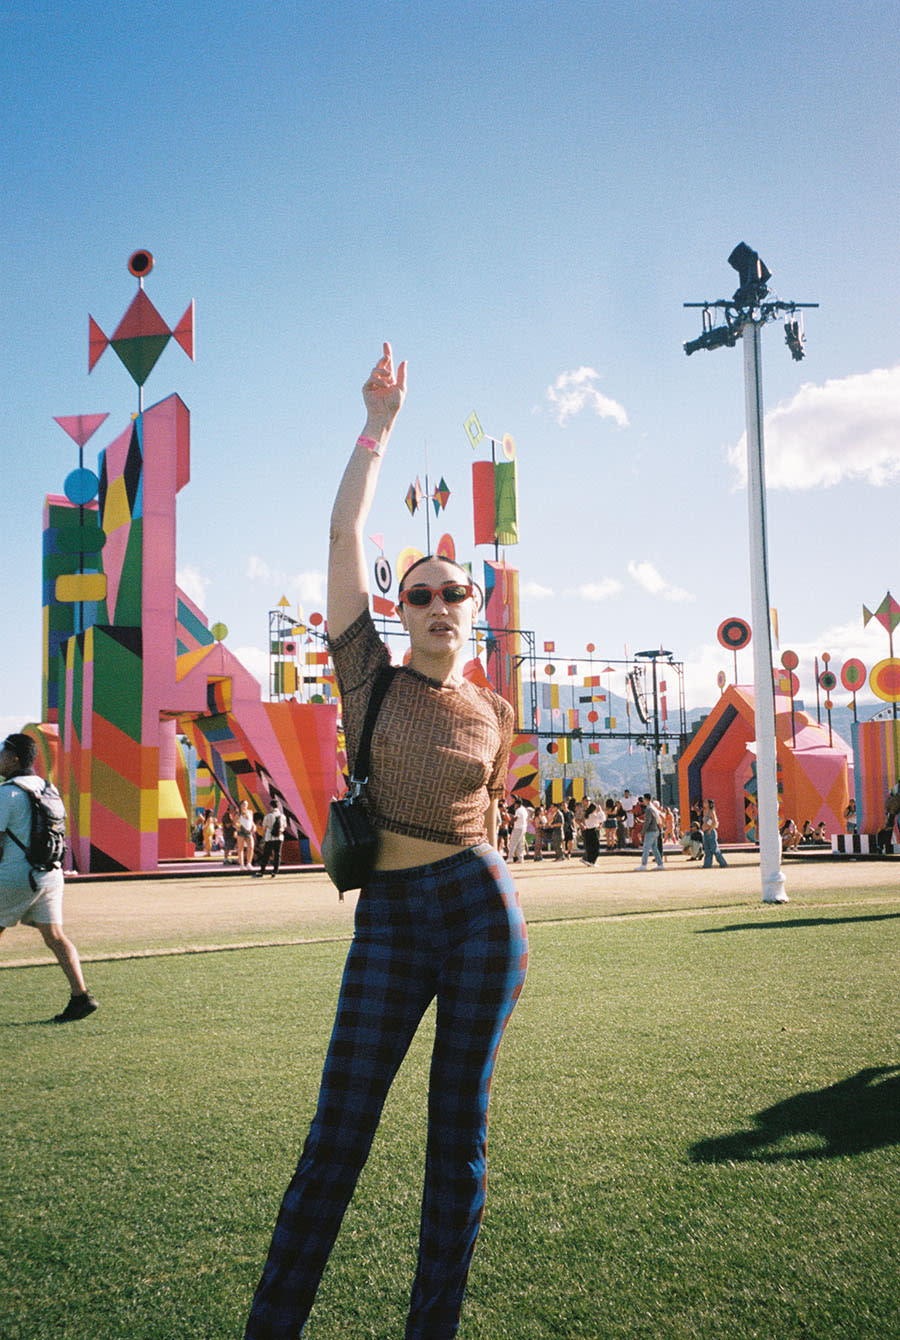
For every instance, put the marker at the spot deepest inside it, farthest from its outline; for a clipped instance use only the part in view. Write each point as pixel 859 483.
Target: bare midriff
pixel 396 851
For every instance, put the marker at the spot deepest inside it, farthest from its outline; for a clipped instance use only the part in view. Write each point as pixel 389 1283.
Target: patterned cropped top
pixel 439 752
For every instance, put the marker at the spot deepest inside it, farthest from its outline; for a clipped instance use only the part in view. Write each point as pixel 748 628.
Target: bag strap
pixel 379 689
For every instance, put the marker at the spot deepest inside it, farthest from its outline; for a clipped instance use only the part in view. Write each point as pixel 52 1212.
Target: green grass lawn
pixel 695 1135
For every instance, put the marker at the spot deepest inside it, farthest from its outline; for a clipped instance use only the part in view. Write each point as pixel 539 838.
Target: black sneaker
pixel 79 1007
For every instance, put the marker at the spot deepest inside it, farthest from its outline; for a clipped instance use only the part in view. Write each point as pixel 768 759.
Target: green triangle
pixel 140 354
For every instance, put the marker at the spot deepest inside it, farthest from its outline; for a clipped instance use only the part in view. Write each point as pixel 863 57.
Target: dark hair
pixel 440 558
pixel 23 747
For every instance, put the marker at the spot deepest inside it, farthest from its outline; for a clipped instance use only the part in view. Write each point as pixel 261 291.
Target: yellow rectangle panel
pixel 75 586
pixel 171 806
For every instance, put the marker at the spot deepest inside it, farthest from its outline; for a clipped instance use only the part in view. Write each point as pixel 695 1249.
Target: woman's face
pixel 439 628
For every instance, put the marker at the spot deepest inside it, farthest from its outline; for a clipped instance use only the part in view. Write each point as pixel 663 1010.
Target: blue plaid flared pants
pixel 451 931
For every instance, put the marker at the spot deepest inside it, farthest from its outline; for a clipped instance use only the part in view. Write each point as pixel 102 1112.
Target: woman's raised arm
pixel 348 586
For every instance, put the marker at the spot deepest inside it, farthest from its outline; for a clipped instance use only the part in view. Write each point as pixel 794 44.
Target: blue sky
pixel 520 197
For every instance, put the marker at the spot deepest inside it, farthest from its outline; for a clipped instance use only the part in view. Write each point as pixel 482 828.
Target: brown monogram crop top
pixel 440 753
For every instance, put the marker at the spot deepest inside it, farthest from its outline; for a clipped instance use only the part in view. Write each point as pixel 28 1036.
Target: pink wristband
pixel 377 448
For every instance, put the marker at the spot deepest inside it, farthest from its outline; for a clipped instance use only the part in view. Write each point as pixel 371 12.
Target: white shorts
pixel 19 902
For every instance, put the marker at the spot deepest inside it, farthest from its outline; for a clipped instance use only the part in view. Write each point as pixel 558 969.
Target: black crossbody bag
pixel 350 841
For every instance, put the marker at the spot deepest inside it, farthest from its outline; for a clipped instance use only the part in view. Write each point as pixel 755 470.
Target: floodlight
pixel 794 337
pixel 716 338
pixel 753 274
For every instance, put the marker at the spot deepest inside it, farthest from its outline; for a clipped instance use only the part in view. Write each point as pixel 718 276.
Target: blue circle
pixel 81 486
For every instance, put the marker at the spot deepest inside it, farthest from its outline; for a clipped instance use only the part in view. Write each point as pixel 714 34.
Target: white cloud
pixel 536 591
pixel 308 588
pixel 847 429
pixel 648 577
pixel 601 590
pixel 193 583
pixel 574 391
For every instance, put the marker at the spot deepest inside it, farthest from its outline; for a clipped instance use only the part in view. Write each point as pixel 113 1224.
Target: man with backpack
pixel 32 843
pixel 274 825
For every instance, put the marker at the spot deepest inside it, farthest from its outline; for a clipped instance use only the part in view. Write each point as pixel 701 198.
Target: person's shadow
pixel 853 1116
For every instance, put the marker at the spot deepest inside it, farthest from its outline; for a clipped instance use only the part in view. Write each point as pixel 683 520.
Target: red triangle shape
pixel 142 318
pixel 184 331
pixel 97 342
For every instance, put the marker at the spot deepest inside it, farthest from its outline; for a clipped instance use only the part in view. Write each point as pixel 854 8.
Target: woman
pixel 539 824
pixel 209 832
pixel 246 836
pixel 610 824
pixel 711 848
pixel 790 835
pixel 590 830
pixel 439 917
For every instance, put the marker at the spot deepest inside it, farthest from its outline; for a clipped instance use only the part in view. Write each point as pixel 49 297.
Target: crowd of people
pixel 580 828
pixel 244 836
pixel 584 828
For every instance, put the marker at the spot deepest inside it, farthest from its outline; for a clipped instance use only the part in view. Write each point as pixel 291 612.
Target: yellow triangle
pixel 185 663
pixel 283 602
pixel 116 511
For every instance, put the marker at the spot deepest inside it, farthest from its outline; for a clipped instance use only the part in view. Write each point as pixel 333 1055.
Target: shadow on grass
pixel 796 922
pixel 857 1114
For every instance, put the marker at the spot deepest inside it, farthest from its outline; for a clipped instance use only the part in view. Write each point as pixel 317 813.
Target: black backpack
pixel 47 844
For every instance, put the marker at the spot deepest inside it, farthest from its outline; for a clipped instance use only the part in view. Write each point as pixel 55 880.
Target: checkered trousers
pixel 451 930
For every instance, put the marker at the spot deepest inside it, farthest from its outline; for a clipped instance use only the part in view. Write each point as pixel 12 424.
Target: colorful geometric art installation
pixel 501 614
pixel 495 502
pixel 441 496
pixel 876 747
pixel 132 672
pixel 523 779
pixel 853 674
pixel 718 764
pixel 148 668
pixel 405 560
pixel 474 430
pixel 884 679
pixel 887 614
pixel 733 634
pixel 141 336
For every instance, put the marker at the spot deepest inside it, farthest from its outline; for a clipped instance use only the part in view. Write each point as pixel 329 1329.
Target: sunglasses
pixel 452 593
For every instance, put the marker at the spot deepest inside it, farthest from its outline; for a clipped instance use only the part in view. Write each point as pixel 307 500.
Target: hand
pixel 384 392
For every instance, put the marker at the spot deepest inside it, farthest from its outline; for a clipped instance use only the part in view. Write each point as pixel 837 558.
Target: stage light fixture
pixel 794 337
pixel 753 274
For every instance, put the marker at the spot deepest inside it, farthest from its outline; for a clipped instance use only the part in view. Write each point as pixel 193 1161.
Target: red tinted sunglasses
pixel 452 593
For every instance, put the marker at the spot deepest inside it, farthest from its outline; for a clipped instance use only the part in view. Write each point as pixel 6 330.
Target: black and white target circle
pixel 383 574
pixel 733 634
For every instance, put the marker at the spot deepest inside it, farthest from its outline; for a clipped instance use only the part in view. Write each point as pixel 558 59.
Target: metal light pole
pixel 653 656
pixel 745 314
pixel 767 826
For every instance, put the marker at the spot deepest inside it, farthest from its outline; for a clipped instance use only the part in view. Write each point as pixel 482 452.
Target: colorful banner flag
pixel 495 505
pixel 506 503
pixel 484 507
